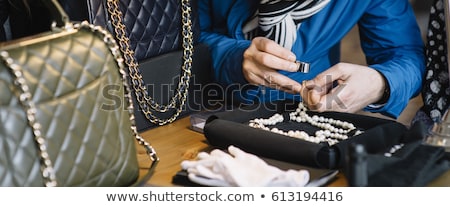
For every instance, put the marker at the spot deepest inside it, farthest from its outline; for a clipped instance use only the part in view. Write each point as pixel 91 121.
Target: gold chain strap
pixel 145 101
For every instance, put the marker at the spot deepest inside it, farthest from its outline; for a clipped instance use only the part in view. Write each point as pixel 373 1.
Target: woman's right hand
pixel 261 63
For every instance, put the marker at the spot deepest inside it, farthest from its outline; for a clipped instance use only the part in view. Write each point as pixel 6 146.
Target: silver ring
pixel 302 67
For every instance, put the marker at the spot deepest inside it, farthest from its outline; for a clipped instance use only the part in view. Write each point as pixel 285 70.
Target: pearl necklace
pixel 394 149
pixel 331 130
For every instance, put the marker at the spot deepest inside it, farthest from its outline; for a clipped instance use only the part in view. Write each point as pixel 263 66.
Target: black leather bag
pixel 162 38
pixel 4 7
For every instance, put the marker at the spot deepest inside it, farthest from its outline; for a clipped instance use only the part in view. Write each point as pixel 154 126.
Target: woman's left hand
pixel 355 87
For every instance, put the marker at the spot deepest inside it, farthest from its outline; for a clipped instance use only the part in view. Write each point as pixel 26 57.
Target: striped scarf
pixel 279 20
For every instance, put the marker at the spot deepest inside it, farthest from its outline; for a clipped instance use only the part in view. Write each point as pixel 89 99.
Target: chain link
pixel 115 50
pixel 48 173
pixel 146 102
pixel 25 98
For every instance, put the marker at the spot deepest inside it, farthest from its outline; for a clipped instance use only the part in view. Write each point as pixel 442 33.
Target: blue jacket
pixel 390 39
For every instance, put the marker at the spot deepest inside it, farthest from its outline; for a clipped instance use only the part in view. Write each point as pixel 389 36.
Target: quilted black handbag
pixel 157 38
pixel 66 116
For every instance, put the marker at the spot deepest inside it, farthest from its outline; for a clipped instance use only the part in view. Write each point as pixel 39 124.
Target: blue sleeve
pixel 392 43
pixel 222 32
pixel 227 56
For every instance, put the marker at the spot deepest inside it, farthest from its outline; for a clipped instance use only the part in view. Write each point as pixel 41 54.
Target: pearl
pixel 393 150
pixel 332 130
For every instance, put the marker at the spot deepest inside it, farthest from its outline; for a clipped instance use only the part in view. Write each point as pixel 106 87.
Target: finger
pixel 311 94
pixel 332 101
pixel 318 89
pixel 317 98
pixel 314 99
pixel 269 46
pixel 278 81
pixel 342 99
pixel 254 79
pixel 292 87
pixel 327 78
pixel 277 63
pixel 274 56
pixel 318 102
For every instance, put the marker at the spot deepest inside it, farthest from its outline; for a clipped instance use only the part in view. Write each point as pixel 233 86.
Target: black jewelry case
pixel 230 127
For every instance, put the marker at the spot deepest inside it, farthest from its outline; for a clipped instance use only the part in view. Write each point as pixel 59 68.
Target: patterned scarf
pixel 436 90
pixel 279 20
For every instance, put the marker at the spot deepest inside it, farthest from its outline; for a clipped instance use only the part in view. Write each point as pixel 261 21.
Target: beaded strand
pixel 331 130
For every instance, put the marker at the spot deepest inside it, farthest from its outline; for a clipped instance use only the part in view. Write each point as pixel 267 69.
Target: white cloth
pixel 238 168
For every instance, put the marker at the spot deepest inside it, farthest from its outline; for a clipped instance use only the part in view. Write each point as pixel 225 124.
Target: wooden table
pixel 176 142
